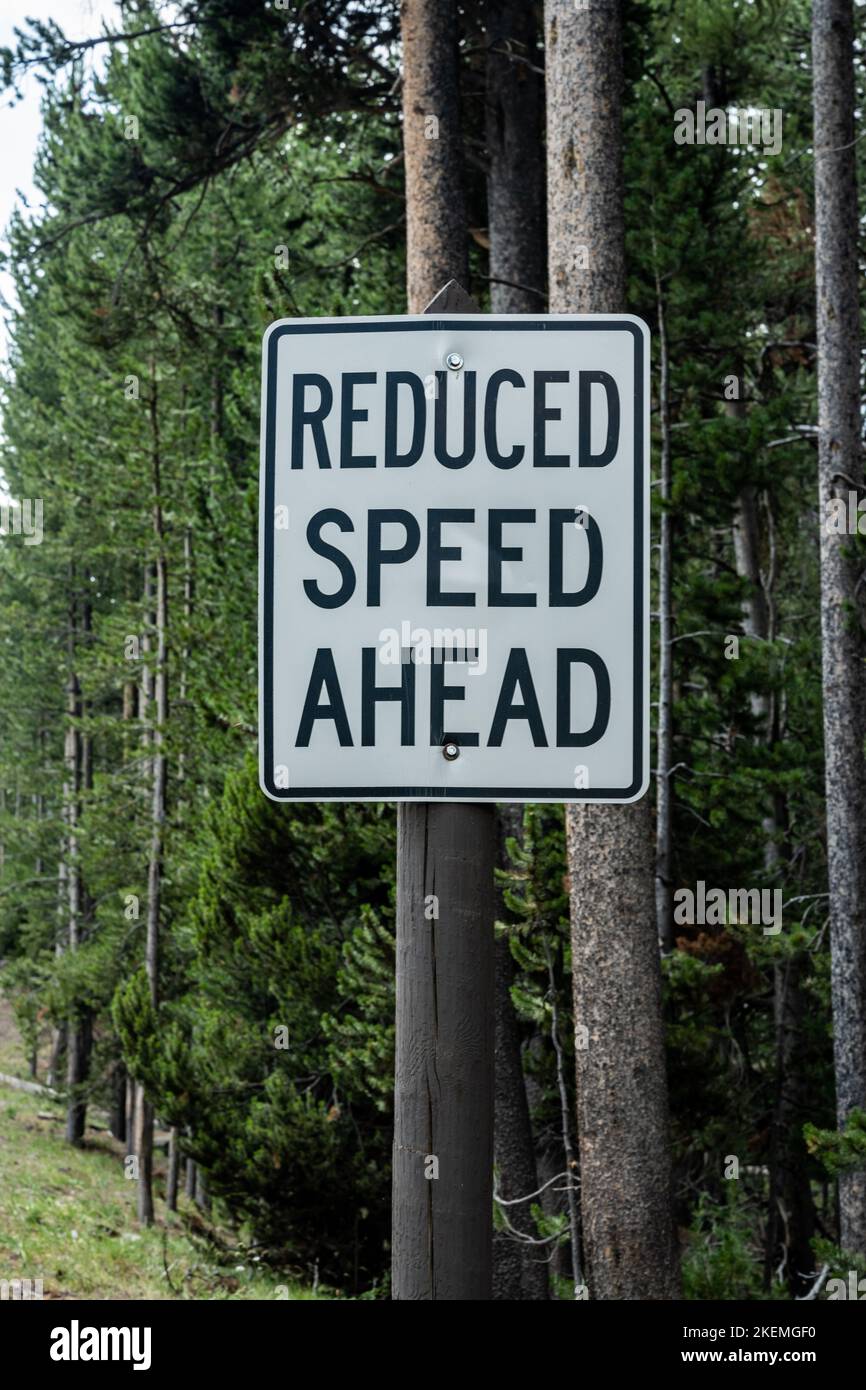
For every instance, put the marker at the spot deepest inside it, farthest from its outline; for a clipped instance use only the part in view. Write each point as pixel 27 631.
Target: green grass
pixel 67 1216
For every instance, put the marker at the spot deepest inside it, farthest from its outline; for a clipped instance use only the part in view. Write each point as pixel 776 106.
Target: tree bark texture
pixel 840 468
pixel 436 245
pixel 625 1166
pixel 514 115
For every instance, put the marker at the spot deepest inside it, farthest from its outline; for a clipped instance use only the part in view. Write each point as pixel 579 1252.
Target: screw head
pixel 454 361
pixel 450 750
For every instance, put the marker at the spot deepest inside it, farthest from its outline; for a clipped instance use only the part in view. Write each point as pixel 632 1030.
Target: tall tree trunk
pixel 790 1211
pixel 130 1115
pixel 57 1056
pixel 625 1164
pixel 665 727
pixel 117 1114
pixel 78 1030
pixel 183 680
pixel 158 792
pixel 515 211
pixel 436 249
pixel 84 1031
pixel 791 1208
pixel 840 468
pixel 514 112
pixel 171 1178
pixel 202 1193
pixel 79 1043
pixel 154 874
pixel 123 1128
pixel 142 1110
pixel 143 1143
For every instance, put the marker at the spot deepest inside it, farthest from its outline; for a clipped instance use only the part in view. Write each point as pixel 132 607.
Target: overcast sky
pixel 19 123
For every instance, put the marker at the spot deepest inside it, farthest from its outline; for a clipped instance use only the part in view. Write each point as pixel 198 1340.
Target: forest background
pixel 227 164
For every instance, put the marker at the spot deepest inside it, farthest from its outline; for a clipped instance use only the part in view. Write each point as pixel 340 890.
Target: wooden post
pixel 442 1232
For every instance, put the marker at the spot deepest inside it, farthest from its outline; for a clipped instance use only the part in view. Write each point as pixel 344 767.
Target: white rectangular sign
pixel 454 556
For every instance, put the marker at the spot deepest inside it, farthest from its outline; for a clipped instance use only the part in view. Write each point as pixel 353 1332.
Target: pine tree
pixel 625 1167
pixel 840 468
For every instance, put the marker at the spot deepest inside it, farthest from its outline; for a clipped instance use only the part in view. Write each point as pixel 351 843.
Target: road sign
pixel 454 550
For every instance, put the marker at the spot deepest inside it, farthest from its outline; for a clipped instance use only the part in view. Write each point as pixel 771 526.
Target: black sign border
pixel 481 323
